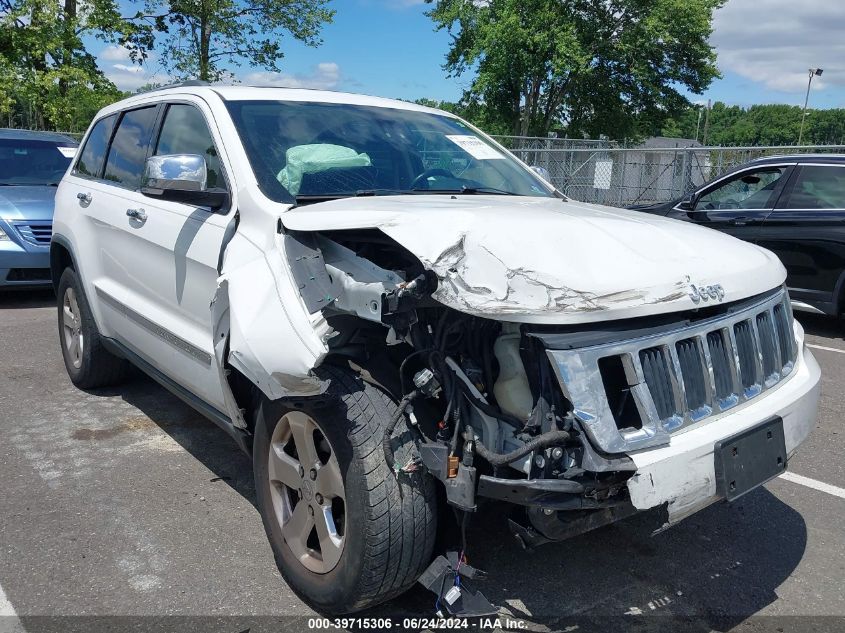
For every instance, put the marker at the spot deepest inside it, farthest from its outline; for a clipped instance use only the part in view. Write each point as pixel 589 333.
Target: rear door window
pixel 129 147
pixel 818 187
pixel 185 131
pixel 91 157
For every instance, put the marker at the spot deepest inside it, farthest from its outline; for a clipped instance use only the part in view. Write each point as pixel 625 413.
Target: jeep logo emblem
pixel 706 293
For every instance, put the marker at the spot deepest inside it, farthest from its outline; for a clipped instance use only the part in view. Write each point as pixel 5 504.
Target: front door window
pixel 748 190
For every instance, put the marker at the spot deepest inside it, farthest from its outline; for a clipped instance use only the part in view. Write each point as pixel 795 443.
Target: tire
pixel 88 363
pixel 386 521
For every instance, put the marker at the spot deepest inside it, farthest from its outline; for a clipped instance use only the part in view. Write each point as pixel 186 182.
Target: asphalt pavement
pixel 126 507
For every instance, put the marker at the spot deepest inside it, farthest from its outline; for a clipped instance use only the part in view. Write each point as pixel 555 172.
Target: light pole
pixel 813 73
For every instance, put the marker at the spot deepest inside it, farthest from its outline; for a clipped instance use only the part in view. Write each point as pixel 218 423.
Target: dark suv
pixel 791 205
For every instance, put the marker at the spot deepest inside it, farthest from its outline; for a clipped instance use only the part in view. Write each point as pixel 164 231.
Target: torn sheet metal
pixel 272 340
pixel 544 260
pixel 220 321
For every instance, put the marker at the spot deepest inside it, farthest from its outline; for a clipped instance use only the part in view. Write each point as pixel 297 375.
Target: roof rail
pixel 178 84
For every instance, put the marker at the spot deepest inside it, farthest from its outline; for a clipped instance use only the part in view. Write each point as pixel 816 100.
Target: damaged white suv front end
pixel 376 298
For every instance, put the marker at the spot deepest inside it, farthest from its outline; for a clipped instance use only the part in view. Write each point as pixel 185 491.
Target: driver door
pixel 738 204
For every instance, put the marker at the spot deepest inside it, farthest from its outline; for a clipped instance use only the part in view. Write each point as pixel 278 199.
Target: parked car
pixel 380 304
pixel 31 165
pixel 792 205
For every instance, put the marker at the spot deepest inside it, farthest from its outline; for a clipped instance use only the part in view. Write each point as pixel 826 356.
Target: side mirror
pixel 687 203
pixel 542 172
pixel 181 178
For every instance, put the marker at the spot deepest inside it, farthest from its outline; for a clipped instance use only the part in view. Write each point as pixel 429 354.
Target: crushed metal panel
pixel 272 340
pixel 309 270
pixel 543 260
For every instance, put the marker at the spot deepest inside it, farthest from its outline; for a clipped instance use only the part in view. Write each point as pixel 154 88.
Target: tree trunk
pixel 205 41
pixel 68 44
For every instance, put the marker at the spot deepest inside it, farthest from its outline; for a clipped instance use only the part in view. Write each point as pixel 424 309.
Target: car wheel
pixel 347 532
pixel 88 363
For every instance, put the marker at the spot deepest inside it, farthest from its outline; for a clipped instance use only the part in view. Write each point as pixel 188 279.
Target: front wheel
pixel 346 531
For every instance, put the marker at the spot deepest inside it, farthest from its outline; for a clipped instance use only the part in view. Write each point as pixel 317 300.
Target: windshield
pixel 316 151
pixel 33 162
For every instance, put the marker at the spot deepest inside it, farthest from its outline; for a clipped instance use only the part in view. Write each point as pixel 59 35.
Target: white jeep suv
pixel 374 299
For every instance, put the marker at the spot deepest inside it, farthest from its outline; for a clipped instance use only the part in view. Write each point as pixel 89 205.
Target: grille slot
pixel 786 340
pixel 36 232
pixel 692 370
pixel 659 381
pixel 722 361
pixel 747 353
pixel 768 345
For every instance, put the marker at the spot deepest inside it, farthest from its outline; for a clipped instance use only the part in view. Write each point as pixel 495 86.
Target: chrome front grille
pixel 679 377
pixel 35 232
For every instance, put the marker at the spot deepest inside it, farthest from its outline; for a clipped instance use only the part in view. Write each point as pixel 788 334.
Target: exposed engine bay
pixel 480 394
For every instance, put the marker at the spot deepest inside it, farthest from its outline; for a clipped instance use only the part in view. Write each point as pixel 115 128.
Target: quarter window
pixel 185 132
pixel 750 190
pixel 128 151
pixel 91 157
pixel 818 187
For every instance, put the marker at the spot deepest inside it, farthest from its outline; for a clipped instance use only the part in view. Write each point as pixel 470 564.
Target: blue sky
pixel 390 48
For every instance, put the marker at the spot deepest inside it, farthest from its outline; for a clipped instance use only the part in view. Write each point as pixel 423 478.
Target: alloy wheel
pixel 74 340
pixel 307 491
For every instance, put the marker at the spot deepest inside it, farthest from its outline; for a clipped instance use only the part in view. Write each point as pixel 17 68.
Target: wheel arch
pixel 61 257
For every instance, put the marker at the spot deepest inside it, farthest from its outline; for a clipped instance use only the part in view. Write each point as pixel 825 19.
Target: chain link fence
pixel 601 172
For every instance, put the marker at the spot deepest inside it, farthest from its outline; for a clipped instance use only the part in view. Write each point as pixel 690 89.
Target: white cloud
pixel 774 42
pixel 117 65
pixel 324 76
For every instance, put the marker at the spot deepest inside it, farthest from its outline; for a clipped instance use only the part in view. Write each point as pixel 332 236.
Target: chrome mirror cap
pixel 183 172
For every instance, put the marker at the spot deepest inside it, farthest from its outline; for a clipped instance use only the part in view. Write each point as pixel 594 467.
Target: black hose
pixel 499 459
pixel 391 426
pixel 458 416
pixel 488 409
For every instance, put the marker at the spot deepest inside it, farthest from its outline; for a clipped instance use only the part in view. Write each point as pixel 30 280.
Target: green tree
pixel 612 67
pixel 48 78
pixel 203 36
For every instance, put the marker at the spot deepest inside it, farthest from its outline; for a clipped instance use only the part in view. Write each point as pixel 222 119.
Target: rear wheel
pixel 88 363
pixel 346 531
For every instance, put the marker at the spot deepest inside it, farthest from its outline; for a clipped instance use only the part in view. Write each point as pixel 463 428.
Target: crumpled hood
pixel 26 202
pixel 546 260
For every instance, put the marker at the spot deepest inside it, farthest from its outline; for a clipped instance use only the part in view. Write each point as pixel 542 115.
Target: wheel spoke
pixel 74 347
pixel 297 529
pixel 284 468
pixel 302 429
pixel 73 305
pixel 68 318
pixel 331 545
pixel 329 480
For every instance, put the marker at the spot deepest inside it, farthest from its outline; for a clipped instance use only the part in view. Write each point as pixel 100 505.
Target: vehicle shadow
pixel 20 299
pixel 710 572
pixel 821 325
pixel 199 436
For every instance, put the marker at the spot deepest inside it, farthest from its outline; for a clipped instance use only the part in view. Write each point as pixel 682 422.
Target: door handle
pixel 137 214
pixel 84 198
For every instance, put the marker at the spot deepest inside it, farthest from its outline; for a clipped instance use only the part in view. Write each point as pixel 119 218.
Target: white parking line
pixel 814 484
pixel 9 621
pixel 827 349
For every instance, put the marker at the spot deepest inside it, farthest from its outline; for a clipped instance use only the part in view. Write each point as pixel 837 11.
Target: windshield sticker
pixel 475 147
pixel 67 152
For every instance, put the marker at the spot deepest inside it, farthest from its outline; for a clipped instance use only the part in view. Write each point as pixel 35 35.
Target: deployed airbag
pixel 311 159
